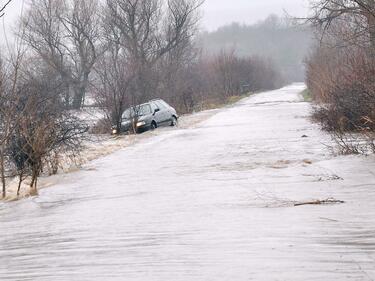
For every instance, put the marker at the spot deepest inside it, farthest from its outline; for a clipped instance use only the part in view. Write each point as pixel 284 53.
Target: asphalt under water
pixel 212 202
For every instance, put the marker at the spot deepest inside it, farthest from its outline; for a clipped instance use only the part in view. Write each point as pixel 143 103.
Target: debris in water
pixel 328 201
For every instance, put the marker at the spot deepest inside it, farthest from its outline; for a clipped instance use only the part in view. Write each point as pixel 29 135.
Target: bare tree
pixel 4 126
pixel 3 7
pixel 9 79
pixel 33 121
pixel 112 90
pixel 226 67
pixel 177 74
pixel 65 34
pixel 44 126
pixel 359 15
pixel 148 30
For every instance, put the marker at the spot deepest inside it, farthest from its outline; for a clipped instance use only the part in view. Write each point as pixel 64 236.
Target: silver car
pixel 148 116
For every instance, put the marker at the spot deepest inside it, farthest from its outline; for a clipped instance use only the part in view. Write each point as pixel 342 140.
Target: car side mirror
pixel 156 110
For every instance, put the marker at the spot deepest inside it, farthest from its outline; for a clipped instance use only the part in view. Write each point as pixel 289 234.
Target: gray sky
pixel 219 12
pixel 215 12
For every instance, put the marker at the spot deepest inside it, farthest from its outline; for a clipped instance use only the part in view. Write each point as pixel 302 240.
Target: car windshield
pixel 141 110
pixel 144 110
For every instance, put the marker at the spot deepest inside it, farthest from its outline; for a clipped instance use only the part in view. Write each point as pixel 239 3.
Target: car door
pixel 164 114
pixel 158 114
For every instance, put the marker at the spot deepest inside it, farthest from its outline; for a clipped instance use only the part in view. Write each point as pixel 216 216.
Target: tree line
pixel 341 72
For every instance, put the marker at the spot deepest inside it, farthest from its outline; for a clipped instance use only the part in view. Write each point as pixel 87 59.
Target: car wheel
pixel 174 121
pixel 153 126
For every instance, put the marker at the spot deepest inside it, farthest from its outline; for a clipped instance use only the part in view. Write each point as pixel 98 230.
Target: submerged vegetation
pixel 306 95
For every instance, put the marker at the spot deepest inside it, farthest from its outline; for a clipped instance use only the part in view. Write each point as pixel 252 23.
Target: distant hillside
pixel 274 38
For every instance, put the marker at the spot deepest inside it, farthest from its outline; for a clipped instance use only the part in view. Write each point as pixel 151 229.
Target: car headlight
pixel 140 124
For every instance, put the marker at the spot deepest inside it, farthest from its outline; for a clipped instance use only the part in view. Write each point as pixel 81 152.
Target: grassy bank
pixel 215 104
pixel 306 95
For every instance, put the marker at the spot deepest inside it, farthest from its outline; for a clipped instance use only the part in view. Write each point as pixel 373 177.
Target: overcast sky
pixel 215 12
pixel 220 12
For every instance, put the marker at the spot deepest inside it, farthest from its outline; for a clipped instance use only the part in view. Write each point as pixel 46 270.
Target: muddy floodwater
pixel 212 202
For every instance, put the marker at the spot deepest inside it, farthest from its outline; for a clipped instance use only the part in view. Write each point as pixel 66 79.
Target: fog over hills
pixel 275 38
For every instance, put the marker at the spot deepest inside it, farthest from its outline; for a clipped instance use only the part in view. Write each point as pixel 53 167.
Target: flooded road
pixel 212 202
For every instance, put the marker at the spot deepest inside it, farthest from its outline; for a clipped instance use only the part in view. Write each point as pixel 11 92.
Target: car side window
pixel 160 105
pixel 154 106
pixel 163 103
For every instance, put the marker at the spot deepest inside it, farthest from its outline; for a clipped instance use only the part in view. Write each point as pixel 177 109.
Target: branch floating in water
pixel 319 202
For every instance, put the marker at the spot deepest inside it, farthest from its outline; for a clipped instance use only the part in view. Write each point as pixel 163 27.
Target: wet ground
pixel 214 202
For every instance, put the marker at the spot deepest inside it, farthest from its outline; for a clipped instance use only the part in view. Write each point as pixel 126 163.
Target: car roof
pixel 146 103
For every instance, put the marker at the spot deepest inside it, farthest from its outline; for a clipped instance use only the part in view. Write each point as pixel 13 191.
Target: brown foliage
pixel 213 80
pixel 342 82
pixel 341 79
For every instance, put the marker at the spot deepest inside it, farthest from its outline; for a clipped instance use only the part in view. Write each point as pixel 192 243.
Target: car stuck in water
pixel 147 116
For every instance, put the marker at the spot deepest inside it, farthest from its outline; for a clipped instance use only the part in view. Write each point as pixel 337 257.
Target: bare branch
pixel 2 8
